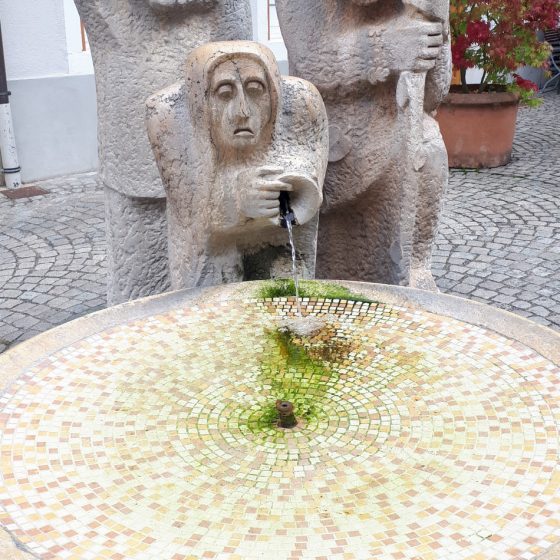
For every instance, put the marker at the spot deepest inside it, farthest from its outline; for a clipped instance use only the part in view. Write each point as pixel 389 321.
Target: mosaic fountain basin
pixel 428 428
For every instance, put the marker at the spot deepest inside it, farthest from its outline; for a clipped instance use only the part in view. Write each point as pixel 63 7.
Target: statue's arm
pixel 163 112
pixel 96 15
pixel 303 145
pixel 247 199
pixel 438 79
pixel 106 26
pixel 88 10
pixel 304 140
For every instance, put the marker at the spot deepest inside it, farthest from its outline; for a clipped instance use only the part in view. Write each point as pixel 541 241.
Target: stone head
pixel 240 97
pixel 240 104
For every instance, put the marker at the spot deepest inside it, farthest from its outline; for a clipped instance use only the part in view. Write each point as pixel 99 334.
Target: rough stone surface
pixel 139 248
pixel 382 68
pixel 229 139
pixel 138 48
pixel 54 245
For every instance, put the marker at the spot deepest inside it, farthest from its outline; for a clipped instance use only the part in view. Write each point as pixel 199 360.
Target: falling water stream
pixel 289 227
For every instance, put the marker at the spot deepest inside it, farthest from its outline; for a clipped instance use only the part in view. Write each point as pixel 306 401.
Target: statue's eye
pixel 225 91
pixel 254 87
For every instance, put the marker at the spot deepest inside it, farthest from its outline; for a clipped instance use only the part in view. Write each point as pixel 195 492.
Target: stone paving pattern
pixel 52 257
pixel 499 240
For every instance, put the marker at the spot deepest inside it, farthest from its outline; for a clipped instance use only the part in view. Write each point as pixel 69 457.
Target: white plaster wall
pixel 254 4
pixel 54 112
pixel 55 123
pixel 34 38
pixel 259 10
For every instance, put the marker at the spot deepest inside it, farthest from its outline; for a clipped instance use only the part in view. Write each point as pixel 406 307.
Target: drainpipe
pixel 8 149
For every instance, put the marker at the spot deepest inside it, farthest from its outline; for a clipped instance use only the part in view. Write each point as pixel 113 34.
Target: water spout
pixel 287 216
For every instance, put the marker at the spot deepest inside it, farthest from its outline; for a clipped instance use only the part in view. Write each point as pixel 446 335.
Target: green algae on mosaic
pixel 308 289
pixel 306 371
pixel 301 370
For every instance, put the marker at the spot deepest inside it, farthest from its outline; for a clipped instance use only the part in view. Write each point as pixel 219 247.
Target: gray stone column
pixel 138 47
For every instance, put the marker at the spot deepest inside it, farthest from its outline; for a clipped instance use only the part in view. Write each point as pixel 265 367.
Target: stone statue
pixel 138 47
pixel 229 139
pixel 382 67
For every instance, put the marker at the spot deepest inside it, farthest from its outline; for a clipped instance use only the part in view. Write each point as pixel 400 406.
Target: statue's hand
pixel 305 197
pixel 412 45
pixel 258 193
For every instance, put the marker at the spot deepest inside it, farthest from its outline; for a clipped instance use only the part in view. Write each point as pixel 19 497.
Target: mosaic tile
pixel 418 437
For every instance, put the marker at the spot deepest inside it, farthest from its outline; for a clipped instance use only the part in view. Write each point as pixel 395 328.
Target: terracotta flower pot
pixel 478 128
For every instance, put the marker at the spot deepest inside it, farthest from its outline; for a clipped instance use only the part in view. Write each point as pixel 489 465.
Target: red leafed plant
pixel 499 36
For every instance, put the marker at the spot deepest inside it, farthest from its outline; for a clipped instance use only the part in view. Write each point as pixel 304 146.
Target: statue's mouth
pixel 243 133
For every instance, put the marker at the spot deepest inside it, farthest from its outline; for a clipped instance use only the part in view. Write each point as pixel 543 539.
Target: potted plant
pixel 497 37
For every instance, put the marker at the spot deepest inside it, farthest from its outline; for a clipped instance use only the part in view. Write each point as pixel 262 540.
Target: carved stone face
pixel 240 105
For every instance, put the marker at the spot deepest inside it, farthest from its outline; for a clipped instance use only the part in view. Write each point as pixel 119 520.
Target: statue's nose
pixel 242 107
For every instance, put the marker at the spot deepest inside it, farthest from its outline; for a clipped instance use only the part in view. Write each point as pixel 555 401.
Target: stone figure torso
pixel 224 168
pixel 356 52
pixel 138 47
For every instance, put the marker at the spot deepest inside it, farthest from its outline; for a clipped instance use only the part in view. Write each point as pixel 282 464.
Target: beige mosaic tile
pixel 418 437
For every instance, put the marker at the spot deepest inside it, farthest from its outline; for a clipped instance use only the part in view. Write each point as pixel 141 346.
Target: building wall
pixel 55 123
pixel 53 87
pixel 53 106
pixel 268 31
pixel 79 60
pixel 34 38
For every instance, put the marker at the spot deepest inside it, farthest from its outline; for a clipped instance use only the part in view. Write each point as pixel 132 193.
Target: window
pixel 274 33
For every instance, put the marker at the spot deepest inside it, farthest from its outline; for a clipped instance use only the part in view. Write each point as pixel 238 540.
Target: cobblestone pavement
pixel 52 257
pixel 499 240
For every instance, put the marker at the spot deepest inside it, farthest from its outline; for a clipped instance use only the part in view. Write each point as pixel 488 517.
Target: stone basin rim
pixel 543 340
pixel 539 338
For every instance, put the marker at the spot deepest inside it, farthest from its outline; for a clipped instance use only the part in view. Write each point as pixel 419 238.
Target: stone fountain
pixel 229 138
pixel 239 422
